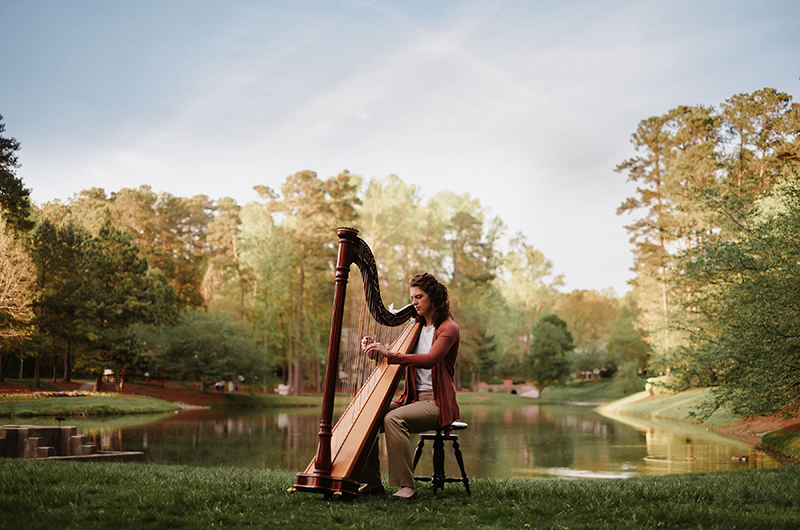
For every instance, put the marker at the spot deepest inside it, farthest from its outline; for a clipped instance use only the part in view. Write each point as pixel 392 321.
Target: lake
pixel 526 441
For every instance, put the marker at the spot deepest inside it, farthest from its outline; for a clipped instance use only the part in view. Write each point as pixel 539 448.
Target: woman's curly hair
pixel 437 292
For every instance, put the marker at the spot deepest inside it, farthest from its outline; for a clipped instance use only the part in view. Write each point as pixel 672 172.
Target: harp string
pixel 354 365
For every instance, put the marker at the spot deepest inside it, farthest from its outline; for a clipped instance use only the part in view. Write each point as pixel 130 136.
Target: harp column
pixel 347 238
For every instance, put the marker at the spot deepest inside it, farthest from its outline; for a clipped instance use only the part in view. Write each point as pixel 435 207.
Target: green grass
pixel 786 440
pixel 491 399
pixel 93 424
pixel 682 406
pixel 593 391
pixel 43 384
pixel 267 401
pixel 85 406
pixel 47 495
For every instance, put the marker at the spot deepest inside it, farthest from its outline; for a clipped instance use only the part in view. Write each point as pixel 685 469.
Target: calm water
pixel 534 441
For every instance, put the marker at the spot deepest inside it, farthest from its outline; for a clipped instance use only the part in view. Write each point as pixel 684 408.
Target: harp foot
pixel 328 486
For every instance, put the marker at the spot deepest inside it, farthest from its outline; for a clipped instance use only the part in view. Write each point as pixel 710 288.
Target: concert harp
pixel 344 446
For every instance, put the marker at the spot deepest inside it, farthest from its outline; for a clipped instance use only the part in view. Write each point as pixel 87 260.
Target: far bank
pixel 777 435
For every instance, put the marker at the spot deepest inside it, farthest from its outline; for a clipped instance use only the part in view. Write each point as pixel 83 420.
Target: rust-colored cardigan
pixel 441 360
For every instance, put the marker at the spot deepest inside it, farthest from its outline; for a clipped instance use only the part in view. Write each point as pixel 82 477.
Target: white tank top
pixel 423 378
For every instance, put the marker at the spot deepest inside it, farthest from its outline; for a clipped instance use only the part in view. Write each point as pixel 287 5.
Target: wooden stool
pixel 439 479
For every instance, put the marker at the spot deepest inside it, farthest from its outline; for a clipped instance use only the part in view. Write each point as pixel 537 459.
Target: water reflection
pixel 533 441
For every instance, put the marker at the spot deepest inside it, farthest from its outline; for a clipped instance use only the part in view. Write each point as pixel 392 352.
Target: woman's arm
pixel 448 335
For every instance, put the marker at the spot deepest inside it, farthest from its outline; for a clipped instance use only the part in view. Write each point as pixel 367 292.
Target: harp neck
pixel 362 257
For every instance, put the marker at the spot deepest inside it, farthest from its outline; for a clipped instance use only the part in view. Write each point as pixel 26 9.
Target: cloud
pixel 527 106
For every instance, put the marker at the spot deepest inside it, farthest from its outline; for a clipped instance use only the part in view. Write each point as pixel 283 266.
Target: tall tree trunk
pixel 67 363
pixel 21 364
pixel 665 298
pixel 2 378
pixel 299 320
pixel 298 377
pixel 317 376
pixel 37 365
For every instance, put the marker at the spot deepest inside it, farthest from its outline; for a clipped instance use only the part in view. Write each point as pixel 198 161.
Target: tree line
pixel 716 248
pixel 144 282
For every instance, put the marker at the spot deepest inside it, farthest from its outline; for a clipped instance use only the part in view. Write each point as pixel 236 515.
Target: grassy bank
pixel 47 495
pixel 787 441
pixel 683 406
pixel 267 401
pixel 84 406
pixel 586 391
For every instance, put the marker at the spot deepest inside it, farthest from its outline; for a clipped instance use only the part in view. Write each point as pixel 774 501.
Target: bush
pixel 627 377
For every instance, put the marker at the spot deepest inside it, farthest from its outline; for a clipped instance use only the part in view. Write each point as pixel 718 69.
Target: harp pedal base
pixel 326 485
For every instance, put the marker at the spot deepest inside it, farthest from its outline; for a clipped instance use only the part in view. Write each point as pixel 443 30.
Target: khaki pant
pixel 398 424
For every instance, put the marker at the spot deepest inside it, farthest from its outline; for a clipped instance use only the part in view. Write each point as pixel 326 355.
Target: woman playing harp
pixel 429 398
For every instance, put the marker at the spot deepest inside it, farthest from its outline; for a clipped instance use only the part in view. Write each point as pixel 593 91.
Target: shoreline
pixel 671 407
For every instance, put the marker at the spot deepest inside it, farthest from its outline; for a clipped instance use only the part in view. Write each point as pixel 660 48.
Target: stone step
pixel 45 452
pixel 31 445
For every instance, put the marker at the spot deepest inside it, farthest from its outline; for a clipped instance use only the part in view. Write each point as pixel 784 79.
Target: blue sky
pixel 527 106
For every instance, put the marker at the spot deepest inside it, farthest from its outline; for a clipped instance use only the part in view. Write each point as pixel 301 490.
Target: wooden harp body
pixel 344 447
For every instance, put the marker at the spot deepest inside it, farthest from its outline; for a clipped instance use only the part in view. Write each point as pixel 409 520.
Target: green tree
pixel 268 253
pixel 528 286
pixel 699 171
pixel 746 334
pixel 390 219
pixel 170 232
pixel 588 315
pixel 15 202
pixel 311 209
pixel 225 272
pixel 117 293
pixel 17 289
pixel 626 342
pixel 549 359
pixel 762 128
pixel 57 253
pixel 205 347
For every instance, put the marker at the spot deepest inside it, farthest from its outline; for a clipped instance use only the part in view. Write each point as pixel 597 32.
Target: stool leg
pixel 460 461
pixel 418 452
pixel 438 463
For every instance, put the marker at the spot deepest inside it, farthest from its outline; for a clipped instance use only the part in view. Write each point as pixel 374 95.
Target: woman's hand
pixel 373 349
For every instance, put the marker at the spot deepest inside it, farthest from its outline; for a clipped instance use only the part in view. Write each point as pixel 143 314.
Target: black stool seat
pixel 439 479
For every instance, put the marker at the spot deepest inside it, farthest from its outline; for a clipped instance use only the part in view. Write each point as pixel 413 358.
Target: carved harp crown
pixel 343 448
pixel 365 261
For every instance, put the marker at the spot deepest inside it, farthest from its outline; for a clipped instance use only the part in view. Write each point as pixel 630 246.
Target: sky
pixel 527 106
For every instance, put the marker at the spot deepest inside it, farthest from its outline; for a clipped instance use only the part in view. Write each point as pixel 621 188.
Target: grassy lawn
pixel 591 391
pixel 85 406
pixel 47 495
pixel 267 400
